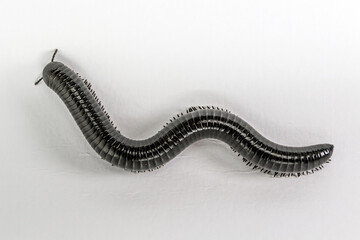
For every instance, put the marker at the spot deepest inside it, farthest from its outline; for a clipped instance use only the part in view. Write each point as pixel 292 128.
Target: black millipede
pixel 183 130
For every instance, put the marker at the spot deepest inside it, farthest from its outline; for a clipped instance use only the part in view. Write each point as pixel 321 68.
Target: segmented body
pixel 196 124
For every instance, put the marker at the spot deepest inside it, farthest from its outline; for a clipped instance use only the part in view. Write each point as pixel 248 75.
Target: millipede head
pixel 49 70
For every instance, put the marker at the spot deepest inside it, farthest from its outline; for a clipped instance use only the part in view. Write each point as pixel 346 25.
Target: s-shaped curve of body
pixel 196 124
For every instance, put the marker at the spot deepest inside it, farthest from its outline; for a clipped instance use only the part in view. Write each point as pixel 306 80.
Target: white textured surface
pixel 290 68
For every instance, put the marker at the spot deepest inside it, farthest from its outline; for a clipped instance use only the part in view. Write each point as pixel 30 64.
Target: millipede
pixel 186 128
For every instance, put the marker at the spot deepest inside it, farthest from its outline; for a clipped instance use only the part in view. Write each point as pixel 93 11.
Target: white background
pixel 289 68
